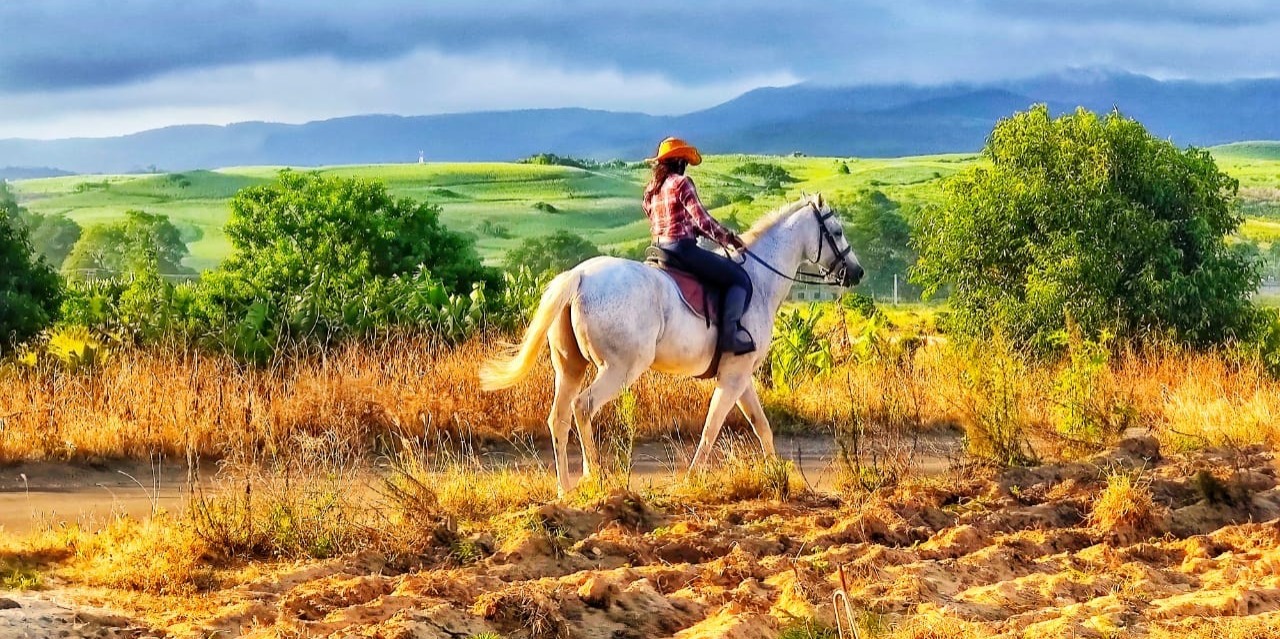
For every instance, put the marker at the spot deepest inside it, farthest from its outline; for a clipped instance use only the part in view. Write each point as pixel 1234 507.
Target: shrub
pixel 52 236
pixel 316 258
pixel 1124 505
pixel 559 251
pixel 1089 410
pixel 772 175
pixel 798 351
pixel 1093 218
pixel 716 200
pixel 881 238
pixel 140 241
pixel 865 305
pixel 993 387
pixel 551 159
pixel 489 227
pixel 30 290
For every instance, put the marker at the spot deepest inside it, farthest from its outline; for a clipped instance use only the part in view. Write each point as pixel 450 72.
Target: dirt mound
pixel 1127 543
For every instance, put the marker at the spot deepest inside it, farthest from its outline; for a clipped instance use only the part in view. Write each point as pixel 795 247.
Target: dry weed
pixel 739 475
pixel 1125 505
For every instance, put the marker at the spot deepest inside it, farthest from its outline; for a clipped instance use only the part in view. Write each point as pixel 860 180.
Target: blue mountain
pixel 873 120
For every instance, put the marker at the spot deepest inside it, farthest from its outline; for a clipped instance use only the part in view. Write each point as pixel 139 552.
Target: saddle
pixel 701 298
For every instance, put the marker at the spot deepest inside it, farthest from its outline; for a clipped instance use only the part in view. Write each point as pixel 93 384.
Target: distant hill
pixel 30 172
pixel 1253 150
pixel 866 121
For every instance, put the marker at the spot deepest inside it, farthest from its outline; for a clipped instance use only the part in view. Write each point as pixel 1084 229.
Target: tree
pixel 1271 261
pixel 880 237
pixel 559 251
pixel 120 248
pixel 52 235
pixel 30 290
pixel 1090 220
pixel 322 255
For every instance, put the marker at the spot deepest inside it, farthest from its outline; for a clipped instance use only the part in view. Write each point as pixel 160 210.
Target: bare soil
pixel 1019 553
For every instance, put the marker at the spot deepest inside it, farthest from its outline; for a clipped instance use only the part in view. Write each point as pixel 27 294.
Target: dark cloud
pixel 52 44
pixel 63 58
pixel 60 44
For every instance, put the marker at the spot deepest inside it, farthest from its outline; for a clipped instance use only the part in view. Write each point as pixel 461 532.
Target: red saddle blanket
pixel 694 294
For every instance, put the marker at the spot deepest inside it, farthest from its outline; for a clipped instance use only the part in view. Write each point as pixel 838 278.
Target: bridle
pixel 830 276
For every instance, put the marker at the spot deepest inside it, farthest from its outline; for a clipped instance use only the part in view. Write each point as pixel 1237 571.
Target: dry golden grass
pixel 366 396
pixel 1124 505
pixel 1192 400
pixel 162 555
pixel 145 402
pixel 741 474
pixel 1266 626
pixel 465 489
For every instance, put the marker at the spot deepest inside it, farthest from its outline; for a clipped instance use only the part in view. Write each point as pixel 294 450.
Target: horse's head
pixel 831 252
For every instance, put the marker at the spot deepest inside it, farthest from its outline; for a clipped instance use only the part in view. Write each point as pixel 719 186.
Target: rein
pixel 824 238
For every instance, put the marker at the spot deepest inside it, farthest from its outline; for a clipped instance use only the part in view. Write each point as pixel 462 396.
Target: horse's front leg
pixel 750 405
pixel 727 392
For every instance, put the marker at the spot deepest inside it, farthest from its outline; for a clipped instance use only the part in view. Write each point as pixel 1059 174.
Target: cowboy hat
pixel 675 148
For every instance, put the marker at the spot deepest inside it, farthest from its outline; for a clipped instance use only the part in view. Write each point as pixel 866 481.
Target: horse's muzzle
pixel 851 275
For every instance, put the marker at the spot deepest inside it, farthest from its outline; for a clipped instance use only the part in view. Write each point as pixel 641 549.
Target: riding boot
pixel 733 337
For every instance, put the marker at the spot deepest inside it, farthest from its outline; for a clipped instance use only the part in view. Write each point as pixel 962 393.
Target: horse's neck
pixel 782 246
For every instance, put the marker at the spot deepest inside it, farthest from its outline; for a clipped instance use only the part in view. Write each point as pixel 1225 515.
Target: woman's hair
pixel 661 171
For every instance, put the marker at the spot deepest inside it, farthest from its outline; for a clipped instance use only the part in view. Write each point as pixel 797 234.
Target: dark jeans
pixel 717 270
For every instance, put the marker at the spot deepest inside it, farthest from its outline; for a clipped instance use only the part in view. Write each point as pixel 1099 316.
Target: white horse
pixel 626 317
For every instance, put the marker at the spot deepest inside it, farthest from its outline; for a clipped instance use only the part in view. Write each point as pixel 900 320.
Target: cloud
pixel 99 66
pixel 303 89
pixel 58 44
pixel 64 44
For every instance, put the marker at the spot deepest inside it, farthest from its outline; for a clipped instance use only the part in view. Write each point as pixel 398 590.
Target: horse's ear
pixel 821 204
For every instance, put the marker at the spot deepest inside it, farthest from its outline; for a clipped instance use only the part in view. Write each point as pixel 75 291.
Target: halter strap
pixel 824 237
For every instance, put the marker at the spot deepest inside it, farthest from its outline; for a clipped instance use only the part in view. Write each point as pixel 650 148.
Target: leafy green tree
pixel 881 238
pixel 52 235
pixel 559 251
pixel 1271 258
pixel 1093 220
pixel 100 252
pixel 138 242
pixel 30 290
pixel 551 159
pixel 772 174
pixel 317 257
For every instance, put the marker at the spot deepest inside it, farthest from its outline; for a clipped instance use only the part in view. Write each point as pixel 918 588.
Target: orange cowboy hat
pixel 675 148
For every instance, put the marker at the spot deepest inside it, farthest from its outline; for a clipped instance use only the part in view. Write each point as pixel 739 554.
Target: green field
pixel 496 201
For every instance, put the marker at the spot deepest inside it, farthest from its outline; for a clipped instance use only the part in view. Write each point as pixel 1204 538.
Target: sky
pixel 92 68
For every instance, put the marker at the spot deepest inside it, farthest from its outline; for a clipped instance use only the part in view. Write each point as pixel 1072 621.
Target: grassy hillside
pixel 500 203
pixel 1254 150
pixel 504 203
pixel 1257 166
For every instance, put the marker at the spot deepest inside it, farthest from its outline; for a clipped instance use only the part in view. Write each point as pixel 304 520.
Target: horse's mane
pixel 772 218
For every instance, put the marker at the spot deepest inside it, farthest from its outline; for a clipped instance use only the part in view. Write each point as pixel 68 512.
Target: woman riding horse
pixel 676 220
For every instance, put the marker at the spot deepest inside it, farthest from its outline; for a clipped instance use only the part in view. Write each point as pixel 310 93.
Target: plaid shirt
pixel 675 213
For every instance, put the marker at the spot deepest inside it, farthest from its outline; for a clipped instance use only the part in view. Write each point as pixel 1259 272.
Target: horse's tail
pixel 504 372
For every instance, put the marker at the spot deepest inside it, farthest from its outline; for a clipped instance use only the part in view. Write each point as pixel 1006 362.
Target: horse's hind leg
pixel 571 370
pixel 749 403
pixel 608 384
